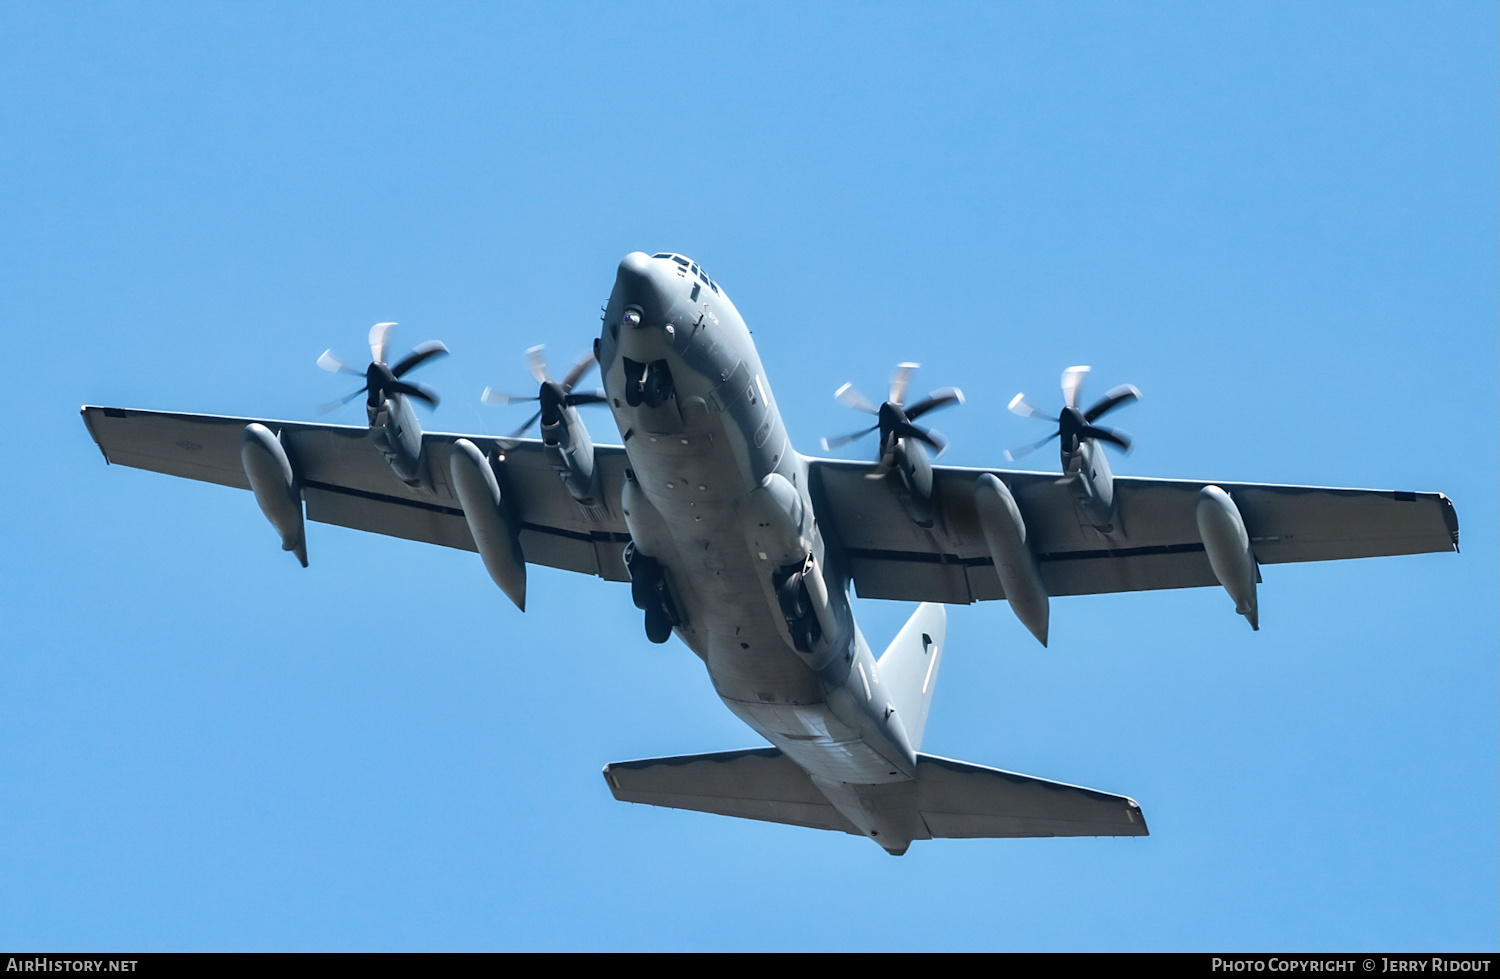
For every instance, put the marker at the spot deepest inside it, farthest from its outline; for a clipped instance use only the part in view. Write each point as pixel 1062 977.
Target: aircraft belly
pixel 730 617
pixel 818 741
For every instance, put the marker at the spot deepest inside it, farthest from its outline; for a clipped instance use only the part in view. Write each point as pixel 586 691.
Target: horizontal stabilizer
pixel 756 783
pixel 958 800
pixel 952 799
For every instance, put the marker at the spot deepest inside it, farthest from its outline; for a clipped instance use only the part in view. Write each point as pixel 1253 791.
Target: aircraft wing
pixel 346 482
pixel 1155 544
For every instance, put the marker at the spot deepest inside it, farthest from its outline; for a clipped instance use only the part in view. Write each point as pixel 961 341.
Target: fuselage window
pixel 694 296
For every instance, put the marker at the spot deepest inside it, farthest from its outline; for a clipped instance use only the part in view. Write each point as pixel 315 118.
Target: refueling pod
pixel 490 520
pixel 1015 565
pixel 1228 546
pixel 276 487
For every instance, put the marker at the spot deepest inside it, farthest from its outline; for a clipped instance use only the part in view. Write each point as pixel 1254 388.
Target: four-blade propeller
pixel 894 420
pixel 382 381
pixel 553 395
pixel 1073 424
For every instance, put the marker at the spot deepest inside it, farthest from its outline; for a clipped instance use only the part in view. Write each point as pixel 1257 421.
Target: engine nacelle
pixel 1092 484
pixel 914 470
pixel 276 486
pixel 1228 546
pixel 398 437
pixel 570 450
pixel 491 523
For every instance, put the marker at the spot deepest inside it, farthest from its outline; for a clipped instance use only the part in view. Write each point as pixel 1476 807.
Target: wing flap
pixel 426 523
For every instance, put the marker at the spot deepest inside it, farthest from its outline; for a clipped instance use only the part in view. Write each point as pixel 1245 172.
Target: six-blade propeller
pixel 552 395
pixel 894 420
pixel 1073 424
pixel 382 381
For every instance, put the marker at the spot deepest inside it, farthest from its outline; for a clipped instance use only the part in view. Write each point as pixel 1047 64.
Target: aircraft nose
pixel 643 283
pixel 643 296
pixel 635 282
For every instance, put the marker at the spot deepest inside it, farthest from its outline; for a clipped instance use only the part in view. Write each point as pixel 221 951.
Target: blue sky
pixel 1278 220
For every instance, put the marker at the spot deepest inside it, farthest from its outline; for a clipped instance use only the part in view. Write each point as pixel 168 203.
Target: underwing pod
pixel 1005 535
pixel 491 523
pixel 274 482
pixel 1228 546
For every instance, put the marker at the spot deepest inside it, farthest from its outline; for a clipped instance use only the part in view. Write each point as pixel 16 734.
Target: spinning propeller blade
pixel 382 381
pixel 551 393
pixel 1072 423
pixel 895 420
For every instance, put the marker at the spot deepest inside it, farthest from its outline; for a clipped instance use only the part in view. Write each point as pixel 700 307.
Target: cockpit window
pixel 690 266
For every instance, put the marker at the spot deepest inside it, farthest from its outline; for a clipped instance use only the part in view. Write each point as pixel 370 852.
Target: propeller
pixel 1073 424
pixel 894 420
pixel 552 395
pixel 382 381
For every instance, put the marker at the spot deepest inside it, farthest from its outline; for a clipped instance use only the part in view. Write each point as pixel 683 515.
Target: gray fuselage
pixel 718 496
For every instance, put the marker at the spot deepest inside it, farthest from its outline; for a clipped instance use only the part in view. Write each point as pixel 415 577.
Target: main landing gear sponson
pixel 797 610
pixel 648 590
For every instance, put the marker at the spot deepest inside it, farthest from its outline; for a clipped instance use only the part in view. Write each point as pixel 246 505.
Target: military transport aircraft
pixel 746 549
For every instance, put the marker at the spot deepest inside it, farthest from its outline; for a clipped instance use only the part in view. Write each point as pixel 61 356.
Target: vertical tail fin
pixel 908 667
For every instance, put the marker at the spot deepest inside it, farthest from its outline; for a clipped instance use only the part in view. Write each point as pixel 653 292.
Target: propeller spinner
pixel 382 381
pixel 1074 424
